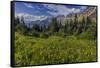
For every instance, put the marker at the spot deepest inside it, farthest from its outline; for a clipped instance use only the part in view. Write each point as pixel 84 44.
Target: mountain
pixel 30 20
pixel 88 12
pixel 43 20
pixel 41 23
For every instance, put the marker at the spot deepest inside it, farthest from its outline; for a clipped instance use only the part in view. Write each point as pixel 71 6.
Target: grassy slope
pixel 53 50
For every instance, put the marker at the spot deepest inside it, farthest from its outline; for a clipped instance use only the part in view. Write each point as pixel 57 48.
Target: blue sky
pixel 35 11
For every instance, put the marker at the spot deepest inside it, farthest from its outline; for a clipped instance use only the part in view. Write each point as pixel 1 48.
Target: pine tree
pixel 53 25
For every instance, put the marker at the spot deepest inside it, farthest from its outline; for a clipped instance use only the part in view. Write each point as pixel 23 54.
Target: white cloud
pixel 29 17
pixel 83 7
pixel 61 9
pixel 76 10
pixel 28 5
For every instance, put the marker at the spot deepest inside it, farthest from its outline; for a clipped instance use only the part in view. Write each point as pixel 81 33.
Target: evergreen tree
pixel 25 30
pixel 53 25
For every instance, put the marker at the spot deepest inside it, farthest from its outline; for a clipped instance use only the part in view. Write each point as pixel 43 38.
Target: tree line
pixel 70 27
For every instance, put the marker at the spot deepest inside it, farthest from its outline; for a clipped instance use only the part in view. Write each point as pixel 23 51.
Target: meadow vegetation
pixel 72 42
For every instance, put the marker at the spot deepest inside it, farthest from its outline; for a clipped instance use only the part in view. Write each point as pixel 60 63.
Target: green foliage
pixel 35 34
pixel 71 27
pixel 73 41
pixel 21 27
pixel 44 35
pixel 54 25
pixel 35 27
pixel 52 50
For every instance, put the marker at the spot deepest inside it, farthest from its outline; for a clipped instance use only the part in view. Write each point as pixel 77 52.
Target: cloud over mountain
pixel 60 9
pixel 39 11
pixel 28 5
pixel 29 17
pixel 48 9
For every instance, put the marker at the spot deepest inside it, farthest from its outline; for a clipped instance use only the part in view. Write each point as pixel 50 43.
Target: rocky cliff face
pixel 89 12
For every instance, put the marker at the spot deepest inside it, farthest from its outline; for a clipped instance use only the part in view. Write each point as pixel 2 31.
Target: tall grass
pixel 52 50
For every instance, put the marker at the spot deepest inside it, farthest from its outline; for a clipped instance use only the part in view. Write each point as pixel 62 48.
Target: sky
pixel 41 11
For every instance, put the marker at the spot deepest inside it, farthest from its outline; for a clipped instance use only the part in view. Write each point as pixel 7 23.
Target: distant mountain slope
pixel 44 20
pixel 89 12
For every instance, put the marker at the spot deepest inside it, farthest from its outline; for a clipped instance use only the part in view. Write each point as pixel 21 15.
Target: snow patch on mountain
pixel 30 17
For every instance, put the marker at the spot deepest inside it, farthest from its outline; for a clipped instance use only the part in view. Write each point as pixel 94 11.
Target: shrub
pixel 35 34
pixel 44 35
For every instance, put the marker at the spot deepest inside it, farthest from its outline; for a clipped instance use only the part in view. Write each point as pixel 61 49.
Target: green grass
pixel 52 50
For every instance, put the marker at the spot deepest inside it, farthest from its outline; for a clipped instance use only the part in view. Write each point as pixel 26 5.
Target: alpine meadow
pixel 48 34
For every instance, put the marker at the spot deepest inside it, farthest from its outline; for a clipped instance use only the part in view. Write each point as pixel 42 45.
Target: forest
pixel 70 42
